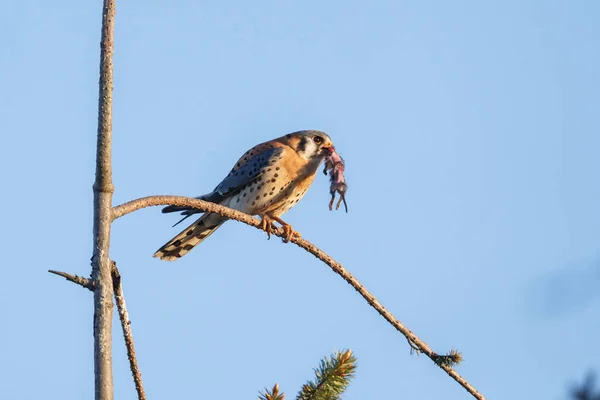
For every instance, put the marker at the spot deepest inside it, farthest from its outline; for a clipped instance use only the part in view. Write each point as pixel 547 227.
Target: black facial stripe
pixel 302 144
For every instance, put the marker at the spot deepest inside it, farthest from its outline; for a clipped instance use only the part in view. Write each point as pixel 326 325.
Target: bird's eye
pixel 318 139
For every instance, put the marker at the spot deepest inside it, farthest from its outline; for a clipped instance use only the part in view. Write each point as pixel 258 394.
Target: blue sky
pixel 470 134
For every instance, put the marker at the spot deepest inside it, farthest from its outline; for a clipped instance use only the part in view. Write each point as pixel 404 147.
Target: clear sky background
pixel 470 131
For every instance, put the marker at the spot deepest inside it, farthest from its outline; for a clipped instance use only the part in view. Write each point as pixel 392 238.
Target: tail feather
pixel 213 197
pixel 190 237
pixel 170 209
pixel 187 214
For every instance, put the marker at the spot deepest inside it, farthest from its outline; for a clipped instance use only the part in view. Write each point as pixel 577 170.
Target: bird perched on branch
pixel 268 180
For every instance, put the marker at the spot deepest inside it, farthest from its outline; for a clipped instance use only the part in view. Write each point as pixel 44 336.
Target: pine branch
pixel 586 391
pixel 331 378
pixel 272 394
pixel 449 360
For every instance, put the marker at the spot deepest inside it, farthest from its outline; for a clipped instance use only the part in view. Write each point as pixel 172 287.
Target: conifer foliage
pixel 332 378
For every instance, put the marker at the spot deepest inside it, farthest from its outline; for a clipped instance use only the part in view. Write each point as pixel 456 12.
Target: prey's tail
pixel 191 236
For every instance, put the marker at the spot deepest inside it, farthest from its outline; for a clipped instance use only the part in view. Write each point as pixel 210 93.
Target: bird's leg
pixel 287 229
pixel 266 224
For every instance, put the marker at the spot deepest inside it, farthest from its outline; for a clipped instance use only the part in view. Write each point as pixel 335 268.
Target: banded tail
pixel 190 237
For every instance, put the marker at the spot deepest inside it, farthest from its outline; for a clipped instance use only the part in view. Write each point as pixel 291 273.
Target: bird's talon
pixel 289 233
pixel 266 225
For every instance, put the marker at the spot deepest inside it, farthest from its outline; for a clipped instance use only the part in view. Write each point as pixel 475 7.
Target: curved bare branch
pixel 422 347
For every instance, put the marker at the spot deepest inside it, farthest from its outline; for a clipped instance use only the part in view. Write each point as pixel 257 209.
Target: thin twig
pixel 413 347
pixel 127 334
pixel 423 347
pixel 80 280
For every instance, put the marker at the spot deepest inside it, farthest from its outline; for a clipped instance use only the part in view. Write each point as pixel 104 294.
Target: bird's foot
pixel 266 224
pixel 289 232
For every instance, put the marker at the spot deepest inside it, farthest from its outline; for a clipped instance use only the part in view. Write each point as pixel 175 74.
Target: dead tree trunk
pixel 103 193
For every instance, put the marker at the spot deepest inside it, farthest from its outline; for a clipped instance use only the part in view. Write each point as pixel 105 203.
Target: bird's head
pixel 310 145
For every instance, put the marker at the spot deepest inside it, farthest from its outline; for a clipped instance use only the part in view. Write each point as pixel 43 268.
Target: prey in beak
pixel 328 149
pixel 335 165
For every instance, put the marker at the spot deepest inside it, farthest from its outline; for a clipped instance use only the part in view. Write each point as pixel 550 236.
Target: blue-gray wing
pixel 247 171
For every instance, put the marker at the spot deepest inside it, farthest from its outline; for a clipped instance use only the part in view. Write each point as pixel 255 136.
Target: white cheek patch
pixel 310 150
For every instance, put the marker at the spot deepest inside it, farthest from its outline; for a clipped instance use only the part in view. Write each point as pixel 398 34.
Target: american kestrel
pixel 268 180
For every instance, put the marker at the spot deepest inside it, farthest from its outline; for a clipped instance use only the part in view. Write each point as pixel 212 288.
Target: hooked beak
pixel 328 148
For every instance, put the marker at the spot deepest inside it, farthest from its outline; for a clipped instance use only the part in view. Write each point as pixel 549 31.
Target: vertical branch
pixel 126 325
pixel 103 191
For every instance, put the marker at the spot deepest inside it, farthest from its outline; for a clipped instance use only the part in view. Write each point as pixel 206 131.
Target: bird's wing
pixel 249 168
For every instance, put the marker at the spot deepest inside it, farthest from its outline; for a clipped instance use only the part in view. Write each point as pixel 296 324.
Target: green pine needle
pixel 451 359
pixel 331 378
pixel 272 394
